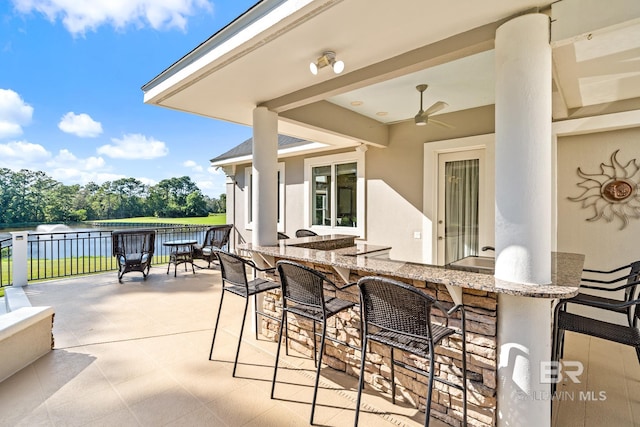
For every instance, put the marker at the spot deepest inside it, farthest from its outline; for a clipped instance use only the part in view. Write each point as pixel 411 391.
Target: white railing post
pixel 19 256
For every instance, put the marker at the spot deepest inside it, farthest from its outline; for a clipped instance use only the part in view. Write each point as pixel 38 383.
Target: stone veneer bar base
pixel 481 313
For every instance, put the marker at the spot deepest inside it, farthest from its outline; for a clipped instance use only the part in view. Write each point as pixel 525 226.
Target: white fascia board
pixel 245 28
pixel 285 152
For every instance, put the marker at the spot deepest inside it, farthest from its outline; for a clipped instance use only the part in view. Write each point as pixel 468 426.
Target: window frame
pixel 248 203
pixel 332 160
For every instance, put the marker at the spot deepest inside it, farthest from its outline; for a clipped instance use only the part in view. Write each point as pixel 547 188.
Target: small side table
pixel 181 253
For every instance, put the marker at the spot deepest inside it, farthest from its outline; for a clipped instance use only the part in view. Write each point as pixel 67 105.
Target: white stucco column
pixel 523 216
pixel 265 177
pixel 523 150
pixel 19 257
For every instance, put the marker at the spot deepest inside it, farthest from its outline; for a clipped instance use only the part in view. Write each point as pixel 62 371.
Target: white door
pixel 460 204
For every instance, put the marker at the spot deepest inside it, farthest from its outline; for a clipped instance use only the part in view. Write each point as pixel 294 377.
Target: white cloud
pixel 147 181
pixel 22 154
pixel 192 165
pixel 65 159
pixel 80 16
pixel 134 146
pixel 212 188
pixel 70 176
pixel 81 125
pixel 64 167
pixel 14 113
pixel 69 169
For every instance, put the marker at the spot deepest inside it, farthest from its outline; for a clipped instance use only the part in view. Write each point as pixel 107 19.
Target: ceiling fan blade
pixel 392 123
pixel 439 123
pixel 438 106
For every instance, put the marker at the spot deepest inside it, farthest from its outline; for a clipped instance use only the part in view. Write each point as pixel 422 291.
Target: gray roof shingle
pixel 246 147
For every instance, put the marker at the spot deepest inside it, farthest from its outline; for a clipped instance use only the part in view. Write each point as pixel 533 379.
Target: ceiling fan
pixel 424 116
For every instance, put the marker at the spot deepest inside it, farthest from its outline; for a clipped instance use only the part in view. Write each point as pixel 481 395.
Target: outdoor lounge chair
pixel 217 237
pixel 133 250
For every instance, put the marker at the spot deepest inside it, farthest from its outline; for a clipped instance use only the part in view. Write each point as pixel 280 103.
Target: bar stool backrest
pixel 301 285
pixel 232 268
pixel 395 306
pixel 305 233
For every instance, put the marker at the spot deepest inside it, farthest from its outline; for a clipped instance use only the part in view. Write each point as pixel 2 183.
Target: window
pixel 335 193
pixel 248 197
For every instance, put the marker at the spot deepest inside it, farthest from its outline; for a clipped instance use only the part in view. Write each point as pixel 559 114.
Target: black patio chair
pixel 630 291
pixel 399 315
pixel 612 299
pixel 234 280
pixel 303 294
pixel 305 233
pixel 622 334
pixel 216 237
pixel 133 250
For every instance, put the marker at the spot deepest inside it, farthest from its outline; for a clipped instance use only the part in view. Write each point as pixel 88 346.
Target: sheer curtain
pixel 461 209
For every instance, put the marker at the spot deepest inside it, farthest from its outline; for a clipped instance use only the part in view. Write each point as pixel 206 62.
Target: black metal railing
pixel 6 249
pixel 71 253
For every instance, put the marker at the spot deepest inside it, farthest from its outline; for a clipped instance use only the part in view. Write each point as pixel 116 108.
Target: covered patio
pixel 135 354
pixel 533 93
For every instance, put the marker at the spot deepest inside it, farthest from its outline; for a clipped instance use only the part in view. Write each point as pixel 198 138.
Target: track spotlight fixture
pixel 327 58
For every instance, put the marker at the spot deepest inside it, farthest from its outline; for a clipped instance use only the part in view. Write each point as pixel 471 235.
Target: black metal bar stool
pixel 399 315
pixel 303 295
pixel 234 280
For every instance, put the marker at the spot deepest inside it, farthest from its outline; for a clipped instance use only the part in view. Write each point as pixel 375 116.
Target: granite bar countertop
pixel 329 242
pixel 362 249
pixel 566 268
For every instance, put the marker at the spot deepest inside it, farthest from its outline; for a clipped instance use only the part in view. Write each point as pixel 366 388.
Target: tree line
pixel 30 196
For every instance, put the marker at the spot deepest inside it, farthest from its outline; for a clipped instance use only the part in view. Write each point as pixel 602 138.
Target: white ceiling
pixel 388 50
pixel 465 83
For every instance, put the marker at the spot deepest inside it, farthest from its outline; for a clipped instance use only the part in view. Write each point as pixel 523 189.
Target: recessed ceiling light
pixel 381 113
pixel 356 103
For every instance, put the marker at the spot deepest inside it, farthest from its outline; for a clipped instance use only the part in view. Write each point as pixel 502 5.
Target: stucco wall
pixel 394 184
pixel 395 177
pixel 294 197
pixel 604 244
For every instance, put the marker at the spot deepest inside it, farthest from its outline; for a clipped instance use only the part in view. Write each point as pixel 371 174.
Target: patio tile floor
pixel 136 354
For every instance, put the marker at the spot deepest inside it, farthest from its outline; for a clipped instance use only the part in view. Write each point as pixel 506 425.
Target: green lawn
pixel 213 219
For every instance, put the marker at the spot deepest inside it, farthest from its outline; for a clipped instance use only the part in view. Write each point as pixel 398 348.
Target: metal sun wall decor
pixel 612 193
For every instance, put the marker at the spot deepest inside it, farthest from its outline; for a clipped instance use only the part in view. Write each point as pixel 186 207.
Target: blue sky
pixel 70 97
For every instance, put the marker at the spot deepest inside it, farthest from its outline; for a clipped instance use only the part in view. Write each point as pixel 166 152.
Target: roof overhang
pixel 261 59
